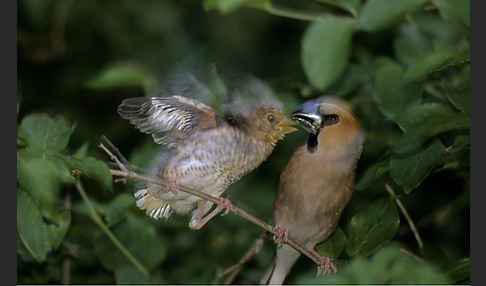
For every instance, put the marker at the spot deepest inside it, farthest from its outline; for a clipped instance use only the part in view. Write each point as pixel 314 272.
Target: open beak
pixel 309 121
pixel 287 126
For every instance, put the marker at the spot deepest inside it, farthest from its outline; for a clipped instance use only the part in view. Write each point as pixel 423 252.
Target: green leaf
pixel 380 14
pixel 140 238
pixel 459 95
pixel 43 178
pixel 388 266
pixel 410 171
pixel 371 175
pixel 354 77
pixel 460 272
pixel 82 151
pixel 334 245
pixel 40 131
pixel 116 210
pixel 352 6
pixel 455 11
pixel 426 114
pixel 122 75
pixel 225 6
pixel 431 63
pixel 37 236
pixel 31 227
pixel 391 93
pixel 412 45
pixel 326 47
pixel 94 169
pixel 371 227
pixel 417 136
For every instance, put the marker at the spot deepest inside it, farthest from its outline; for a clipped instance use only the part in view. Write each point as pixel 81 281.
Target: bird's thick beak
pixel 311 122
pixel 287 126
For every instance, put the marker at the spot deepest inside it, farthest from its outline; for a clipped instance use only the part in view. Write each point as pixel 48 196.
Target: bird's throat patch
pixel 312 142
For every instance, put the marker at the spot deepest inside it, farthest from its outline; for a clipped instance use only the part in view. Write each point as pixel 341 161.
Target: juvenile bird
pixel 316 183
pixel 205 150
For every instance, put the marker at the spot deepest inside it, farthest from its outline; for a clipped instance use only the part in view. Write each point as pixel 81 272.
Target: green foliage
pixel 371 227
pixel 387 266
pixel 404 67
pixel 325 50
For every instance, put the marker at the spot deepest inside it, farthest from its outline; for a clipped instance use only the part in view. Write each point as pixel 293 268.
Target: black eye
pixel 270 118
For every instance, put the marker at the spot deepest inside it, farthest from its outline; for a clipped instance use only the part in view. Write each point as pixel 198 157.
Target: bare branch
pixel 125 173
pixel 235 269
pixel 406 215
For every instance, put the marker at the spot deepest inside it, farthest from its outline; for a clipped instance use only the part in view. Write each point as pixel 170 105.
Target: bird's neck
pixel 342 143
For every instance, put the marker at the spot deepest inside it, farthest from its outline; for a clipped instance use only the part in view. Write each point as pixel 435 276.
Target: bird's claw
pixel 228 206
pixel 281 234
pixel 325 264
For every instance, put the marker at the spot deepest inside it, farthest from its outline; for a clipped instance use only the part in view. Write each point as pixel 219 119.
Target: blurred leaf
pixel 459 97
pixel 432 63
pixel 429 114
pixel 460 272
pixel 40 131
pixel 43 178
pixel 326 49
pixel 82 151
pixel 131 276
pixel 354 76
pixel 372 174
pixel 227 6
pixel 455 11
pixel 416 137
pixel 36 235
pixel 334 245
pixel 94 169
pixel 391 93
pixel 122 75
pixel 412 45
pixel 388 266
pixel 380 14
pixel 371 227
pixel 351 6
pixel 116 210
pixel 140 238
pixel 410 171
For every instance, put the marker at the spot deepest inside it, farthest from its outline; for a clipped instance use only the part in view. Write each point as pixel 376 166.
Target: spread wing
pixel 167 119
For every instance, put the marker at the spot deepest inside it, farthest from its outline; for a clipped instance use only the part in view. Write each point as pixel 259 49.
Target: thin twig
pixel 236 268
pixel 66 261
pixel 405 214
pixel 96 218
pixel 411 254
pixel 216 200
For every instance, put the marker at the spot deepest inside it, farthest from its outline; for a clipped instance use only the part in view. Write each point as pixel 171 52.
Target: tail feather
pixel 284 260
pixel 154 207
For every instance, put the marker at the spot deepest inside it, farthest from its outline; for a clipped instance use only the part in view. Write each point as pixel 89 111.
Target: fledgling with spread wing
pixel 204 150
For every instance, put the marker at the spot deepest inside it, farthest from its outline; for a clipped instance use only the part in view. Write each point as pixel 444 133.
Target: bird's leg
pixel 281 234
pixel 325 264
pixel 198 219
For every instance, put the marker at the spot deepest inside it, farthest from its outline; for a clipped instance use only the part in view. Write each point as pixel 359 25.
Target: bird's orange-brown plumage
pixel 316 186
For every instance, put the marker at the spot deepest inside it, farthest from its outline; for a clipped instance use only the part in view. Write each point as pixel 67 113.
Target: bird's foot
pixel 325 264
pixel 227 204
pixel 281 234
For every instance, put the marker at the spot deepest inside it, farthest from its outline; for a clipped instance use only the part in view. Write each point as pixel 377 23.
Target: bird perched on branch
pixel 206 149
pixel 317 182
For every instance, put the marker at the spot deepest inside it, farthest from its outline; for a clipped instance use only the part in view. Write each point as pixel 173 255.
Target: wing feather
pixel 167 119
